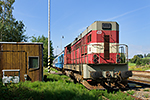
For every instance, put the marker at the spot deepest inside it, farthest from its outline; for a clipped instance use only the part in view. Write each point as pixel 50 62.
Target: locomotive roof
pixel 97 25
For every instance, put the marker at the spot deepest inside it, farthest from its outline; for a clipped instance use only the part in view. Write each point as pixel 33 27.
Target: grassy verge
pixel 132 66
pixel 56 87
pixel 45 70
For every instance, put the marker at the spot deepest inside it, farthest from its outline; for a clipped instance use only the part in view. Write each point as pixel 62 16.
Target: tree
pixel 11 30
pixel 145 61
pixel 140 55
pixel 123 58
pixel 144 55
pixel 45 51
pixel 148 55
pixel 138 62
pixel 134 59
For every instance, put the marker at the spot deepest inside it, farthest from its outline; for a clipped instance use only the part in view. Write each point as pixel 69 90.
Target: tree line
pixel 12 30
pixel 140 59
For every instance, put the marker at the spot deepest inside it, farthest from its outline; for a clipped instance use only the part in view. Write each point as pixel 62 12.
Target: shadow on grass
pixel 51 79
pixel 23 93
pixel 46 79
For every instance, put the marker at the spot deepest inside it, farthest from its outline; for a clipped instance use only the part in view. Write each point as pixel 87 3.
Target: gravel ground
pixel 141 93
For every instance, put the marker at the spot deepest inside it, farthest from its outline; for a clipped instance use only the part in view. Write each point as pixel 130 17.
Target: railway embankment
pixel 56 87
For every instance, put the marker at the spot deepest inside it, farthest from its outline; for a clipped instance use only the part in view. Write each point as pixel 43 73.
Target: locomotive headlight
pixel 95 58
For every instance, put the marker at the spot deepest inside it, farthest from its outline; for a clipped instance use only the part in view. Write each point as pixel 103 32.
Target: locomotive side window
pixel 89 38
pixel 69 49
pixel 106 26
pixel 61 58
pixel 56 61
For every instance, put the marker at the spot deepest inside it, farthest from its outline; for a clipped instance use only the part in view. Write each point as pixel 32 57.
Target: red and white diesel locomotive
pixel 96 56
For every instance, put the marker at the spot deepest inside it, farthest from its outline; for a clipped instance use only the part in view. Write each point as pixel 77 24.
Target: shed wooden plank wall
pixel 0 62
pixel 16 56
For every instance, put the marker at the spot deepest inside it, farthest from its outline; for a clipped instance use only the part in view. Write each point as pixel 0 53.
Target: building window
pixel 33 62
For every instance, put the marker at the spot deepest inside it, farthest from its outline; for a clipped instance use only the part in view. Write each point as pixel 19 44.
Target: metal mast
pixel 48 35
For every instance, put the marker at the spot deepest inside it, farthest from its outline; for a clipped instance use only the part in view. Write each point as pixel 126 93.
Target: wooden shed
pixel 22 59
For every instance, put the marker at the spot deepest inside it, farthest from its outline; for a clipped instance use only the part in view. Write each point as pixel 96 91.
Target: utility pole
pixel 61 42
pixel 48 35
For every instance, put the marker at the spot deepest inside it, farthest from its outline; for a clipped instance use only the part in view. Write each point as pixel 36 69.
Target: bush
pixel 134 59
pixel 138 62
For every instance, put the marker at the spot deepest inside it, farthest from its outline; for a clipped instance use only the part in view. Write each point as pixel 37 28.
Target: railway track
pixel 140 84
pixel 140 76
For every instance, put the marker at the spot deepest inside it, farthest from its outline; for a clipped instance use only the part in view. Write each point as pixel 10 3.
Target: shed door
pixel 14 60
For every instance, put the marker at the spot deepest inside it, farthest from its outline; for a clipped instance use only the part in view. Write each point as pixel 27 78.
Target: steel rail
pixel 140 81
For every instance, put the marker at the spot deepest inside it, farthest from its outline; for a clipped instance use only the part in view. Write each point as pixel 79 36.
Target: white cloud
pixel 127 13
pixel 81 29
pixel 24 14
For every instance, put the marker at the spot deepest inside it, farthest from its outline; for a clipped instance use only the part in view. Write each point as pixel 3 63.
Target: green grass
pixel 56 87
pixel 131 64
pixel 52 69
pixel 146 90
pixel 131 92
pixel 146 58
pixel 45 70
pixel 141 68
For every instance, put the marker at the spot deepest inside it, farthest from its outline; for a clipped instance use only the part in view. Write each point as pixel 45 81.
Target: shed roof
pixel 21 43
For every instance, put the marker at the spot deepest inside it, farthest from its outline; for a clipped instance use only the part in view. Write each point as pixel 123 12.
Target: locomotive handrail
pixel 96 44
pixel 126 46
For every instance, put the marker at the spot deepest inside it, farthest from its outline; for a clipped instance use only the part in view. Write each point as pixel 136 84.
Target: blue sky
pixel 70 17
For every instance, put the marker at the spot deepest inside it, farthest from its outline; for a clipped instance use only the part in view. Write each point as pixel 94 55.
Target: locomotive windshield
pixel 106 26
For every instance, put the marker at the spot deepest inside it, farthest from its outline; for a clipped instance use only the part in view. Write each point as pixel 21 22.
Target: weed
pixel 146 90
pixel 131 92
pixel 146 95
